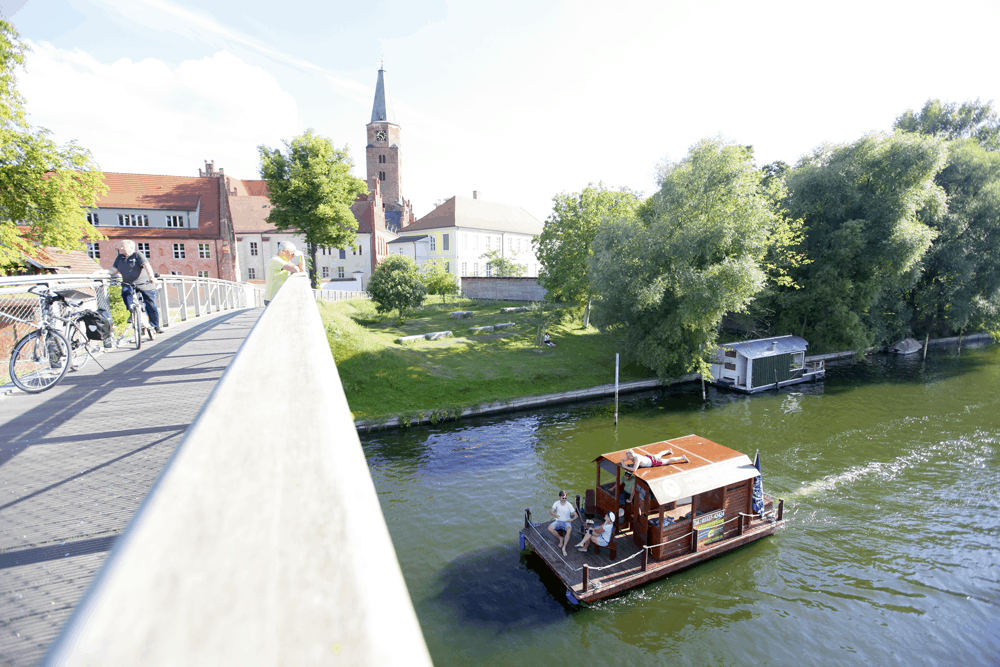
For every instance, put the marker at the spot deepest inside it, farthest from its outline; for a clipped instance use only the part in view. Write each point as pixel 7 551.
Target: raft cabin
pixel 668 517
pixel 765 363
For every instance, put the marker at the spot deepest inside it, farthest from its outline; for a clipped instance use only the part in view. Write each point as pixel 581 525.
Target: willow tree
pixel 311 189
pixel 44 188
pixel 697 249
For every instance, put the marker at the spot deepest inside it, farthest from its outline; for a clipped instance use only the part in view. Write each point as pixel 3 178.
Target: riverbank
pixel 606 390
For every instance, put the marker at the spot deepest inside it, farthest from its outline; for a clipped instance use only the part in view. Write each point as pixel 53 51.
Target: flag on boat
pixel 758 487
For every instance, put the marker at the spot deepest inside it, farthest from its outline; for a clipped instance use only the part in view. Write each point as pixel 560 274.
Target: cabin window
pixel 609 474
pixel 710 501
pixel 798 361
pixel 730 366
pixel 731 353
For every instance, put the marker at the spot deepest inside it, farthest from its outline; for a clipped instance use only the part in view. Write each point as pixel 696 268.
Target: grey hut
pixel 765 363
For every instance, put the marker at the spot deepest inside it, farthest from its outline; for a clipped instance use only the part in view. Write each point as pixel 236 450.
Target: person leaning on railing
pixel 137 274
pixel 280 267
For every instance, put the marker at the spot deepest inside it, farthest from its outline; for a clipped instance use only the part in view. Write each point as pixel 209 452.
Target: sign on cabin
pixel 709 527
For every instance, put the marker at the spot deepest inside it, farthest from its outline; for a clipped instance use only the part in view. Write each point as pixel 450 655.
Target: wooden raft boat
pixel 680 515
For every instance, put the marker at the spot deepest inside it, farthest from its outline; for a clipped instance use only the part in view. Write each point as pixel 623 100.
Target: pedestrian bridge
pixel 204 500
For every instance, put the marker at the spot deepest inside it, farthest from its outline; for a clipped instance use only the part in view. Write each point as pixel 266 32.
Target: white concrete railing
pixel 262 542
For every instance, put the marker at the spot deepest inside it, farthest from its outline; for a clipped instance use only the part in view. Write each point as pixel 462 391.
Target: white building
pixel 459 233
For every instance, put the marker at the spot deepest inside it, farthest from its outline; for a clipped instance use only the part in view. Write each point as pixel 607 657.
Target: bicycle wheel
pixel 137 323
pixel 39 361
pixel 79 344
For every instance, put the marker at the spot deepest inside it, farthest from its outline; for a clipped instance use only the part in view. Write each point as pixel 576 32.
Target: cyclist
pixel 137 274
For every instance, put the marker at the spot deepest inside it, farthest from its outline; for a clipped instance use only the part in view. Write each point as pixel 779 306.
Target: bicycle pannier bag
pixel 98 324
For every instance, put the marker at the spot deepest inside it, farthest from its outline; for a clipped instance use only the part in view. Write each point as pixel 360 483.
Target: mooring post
pixel 927 339
pixel 586 578
pixel 527 517
pixel 616 389
pixel 781 508
pixel 645 558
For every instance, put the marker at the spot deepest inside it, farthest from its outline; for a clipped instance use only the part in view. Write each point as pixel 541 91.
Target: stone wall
pixel 503 289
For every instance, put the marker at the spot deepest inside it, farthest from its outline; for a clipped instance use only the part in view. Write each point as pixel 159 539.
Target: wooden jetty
pixel 655 534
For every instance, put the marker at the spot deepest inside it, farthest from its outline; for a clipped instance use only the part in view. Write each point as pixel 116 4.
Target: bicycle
pixel 138 318
pixel 41 358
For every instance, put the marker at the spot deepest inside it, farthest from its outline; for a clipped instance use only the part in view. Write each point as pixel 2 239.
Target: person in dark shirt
pixel 137 275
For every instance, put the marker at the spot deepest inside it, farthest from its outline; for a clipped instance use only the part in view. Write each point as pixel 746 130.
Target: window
pixel 475 269
pixel 92 219
pixel 447 267
pixel 519 245
pixel 381 159
pixel 340 272
pixel 326 271
pixel 730 366
pixel 465 269
pixel 144 249
pixel 202 274
pixel 730 353
pixel 465 241
pixel 175 221
pixel 253 248
pixel 445 242
pixel 251 273
pixel 203 251
pixel 488 237
pixel 433 244
pixel 343 254
pixel 381 176
pixel 510 244
pixel 175 273
pixel 360 252
pixel 489 270
pixel 133 220
pixel 93 251
pixel 178 251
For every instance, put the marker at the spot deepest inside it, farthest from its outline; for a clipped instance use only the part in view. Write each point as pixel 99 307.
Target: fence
pixel 503 289
pixel 179 298
pixel 262 542
pixel 337 295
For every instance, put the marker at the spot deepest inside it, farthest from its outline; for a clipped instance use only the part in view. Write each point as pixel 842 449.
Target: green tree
pixel 863 206
pixel 694 251
pixel 44 187
pixel 503 267
pixel 949 120
pixel 565 246
pixel 439 281
pixel 311 189
pixel 959 287
pixel 396 285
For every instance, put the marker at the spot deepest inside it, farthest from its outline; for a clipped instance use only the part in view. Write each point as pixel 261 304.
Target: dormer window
pixel 133 220
pixel 92 219
pixel 175 221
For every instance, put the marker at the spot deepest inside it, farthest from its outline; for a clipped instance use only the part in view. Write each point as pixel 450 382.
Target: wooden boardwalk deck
pixel 607 577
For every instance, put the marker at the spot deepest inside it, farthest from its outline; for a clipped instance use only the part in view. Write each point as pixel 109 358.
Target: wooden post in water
pixel 960 335
pixel 927 339
pixel 586 578
pixel 645 558
pixel 616 389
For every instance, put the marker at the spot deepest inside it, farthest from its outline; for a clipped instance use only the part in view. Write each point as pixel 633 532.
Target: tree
pixel 44 187
pixel 949 120
pixel 694 251
pixel 565 245
pixel 503 267
pixel 439 281
pixel 863 204
pixel 396 285
pixel 311 189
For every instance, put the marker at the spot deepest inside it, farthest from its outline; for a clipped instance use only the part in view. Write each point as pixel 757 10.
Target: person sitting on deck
pixel 599 534
pixel 633 461
pixel 563 513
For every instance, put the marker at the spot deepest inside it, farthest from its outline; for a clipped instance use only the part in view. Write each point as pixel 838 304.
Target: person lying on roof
pixel 634 461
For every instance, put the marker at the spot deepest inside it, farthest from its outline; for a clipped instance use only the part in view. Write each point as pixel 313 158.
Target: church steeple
pixel 382 109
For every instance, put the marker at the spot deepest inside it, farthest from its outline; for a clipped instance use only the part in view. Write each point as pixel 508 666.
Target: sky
pixel 520 100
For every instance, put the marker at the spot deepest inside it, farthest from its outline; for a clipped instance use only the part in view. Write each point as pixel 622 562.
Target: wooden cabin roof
pixel 710 466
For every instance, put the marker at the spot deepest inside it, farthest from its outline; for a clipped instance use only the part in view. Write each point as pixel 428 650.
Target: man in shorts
pixel 563 513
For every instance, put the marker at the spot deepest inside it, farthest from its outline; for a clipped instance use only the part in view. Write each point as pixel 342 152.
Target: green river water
pixel 890 471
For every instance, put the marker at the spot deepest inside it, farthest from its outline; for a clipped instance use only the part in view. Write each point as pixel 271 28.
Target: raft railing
pixel 262 542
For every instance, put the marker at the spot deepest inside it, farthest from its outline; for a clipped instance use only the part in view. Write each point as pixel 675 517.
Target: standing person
pixel 563 513
pixel 137 274
pixel 280 267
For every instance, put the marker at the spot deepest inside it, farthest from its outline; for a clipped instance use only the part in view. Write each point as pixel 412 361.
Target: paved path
pixel 76 462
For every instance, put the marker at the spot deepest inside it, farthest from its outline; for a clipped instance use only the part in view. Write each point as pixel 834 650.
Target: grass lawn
pixel 383 378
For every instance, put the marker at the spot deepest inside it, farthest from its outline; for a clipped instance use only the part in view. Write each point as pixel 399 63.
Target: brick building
pixel 181 223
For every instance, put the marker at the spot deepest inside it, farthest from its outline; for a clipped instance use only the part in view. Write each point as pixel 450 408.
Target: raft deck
pixel 608 577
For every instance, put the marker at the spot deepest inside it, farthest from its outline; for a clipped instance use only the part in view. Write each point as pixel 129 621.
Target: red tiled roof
pixel 250 214
pixel 256 188
pixel 63 261
pixel 154 192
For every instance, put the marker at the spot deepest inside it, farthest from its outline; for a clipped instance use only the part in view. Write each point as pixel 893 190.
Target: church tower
pixel 384 160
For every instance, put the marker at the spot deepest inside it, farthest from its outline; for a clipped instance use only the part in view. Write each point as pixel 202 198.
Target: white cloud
pixel 152 117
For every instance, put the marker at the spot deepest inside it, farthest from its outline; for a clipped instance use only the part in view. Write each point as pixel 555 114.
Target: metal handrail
pixel 262 542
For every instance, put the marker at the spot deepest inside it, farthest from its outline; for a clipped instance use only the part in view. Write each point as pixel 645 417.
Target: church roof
pixel 471 213
pixel 382 109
